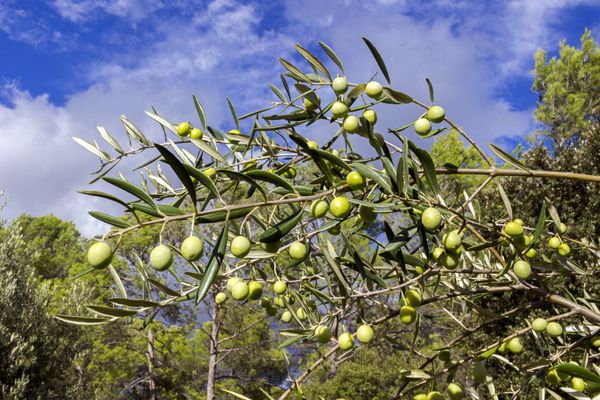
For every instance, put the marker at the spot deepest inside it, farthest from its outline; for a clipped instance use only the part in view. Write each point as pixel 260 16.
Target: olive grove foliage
pixel 436 264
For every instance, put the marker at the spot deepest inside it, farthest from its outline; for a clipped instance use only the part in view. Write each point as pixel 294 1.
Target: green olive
pixel 351 124
pixel 161 257
pixel 339 109
pixel 100 255
pixel 374 89
pixel 319 208
pixel 364 333
pixel 279 287
pixel 239 291
pixel 345 341
pixel 191 248
pixel 355 180
pixel 340 207
pixel 240 246
pixel 522 269
pixel 183 129
pixel 422 127
pixel 431 219
pixel 436 114
pixel 340 85
pixel 255 290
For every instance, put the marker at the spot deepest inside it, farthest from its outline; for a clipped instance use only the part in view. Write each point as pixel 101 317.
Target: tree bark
pixel 214 352
pixel 151 382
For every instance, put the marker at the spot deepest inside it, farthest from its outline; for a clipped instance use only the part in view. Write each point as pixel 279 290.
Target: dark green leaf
pixel 112 312
pixel 243 177
pixel 200 111
pixel 213 265
pixel 378 58
pixel 296 73
pixel 133 302
pixel 163 288
pixel 428 167
pixel 110 219
pixel 278 231
pixel 314 61
pixel 131 188
pixel 72 319
pixel 580 372
pixel 430 86
pixel 270 177
pixel 377 176
pixel 396 97
pixel 203 179
pixel 334 57
pixel 507 157
pixel 180 171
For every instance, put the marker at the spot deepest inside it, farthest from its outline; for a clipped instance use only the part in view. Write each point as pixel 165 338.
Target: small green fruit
pixel 420 396
pixel 312 144
pixel 364 334
pixel 239 291
pixel 435 396
pixel 444 355
pixel 340 85
pixel 519 221
pixel 522 269
pixel 232 281
pixel 355 180
pixel 240 246
pixel 334 230
pixel 437 253
pixel 183 129
pixel 422 126
pixel 279 287
pixel 271 247
pixel 455 391
pixel 452 240
pixel 286 316
pixel 374 89
pixel 513 229
pixel 450 260
pixel 191 248
pixel 265 302
pixel 553 377
pixel 339 109
pixel 595 342
pixel 564 249
pixel 578 384
pixel 371 116
pixel 340 207
pixel 554 242
pixel 297 251
pixel 345 341
pixel 351 124
pixel 562 228
pixel 515 345
pixel 99 255
pixel 431 219
pixel 413 297
pixel 539 324
pixel 290 173
pixel 319 208
pixel 301 314
pixel 479 373
pixel 255 290
pixel 503 347
pixel 531 253
pixel 161 257
pixel 436 114
pixel 554 329
pixel 209 172
pixel 309 105
pixel 367 213
pixel 220 298
pixel 196 134
pixel 408 315
pixel 322 334
pixel 234 132
pixel 278 301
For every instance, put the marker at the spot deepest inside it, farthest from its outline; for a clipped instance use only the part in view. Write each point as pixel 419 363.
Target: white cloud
pixel 82 10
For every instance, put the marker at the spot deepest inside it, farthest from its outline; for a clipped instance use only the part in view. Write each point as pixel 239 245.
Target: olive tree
pixel 290 243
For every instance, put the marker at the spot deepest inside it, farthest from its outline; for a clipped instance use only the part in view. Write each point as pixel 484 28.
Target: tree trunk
pixel 151 382
pixel 214 352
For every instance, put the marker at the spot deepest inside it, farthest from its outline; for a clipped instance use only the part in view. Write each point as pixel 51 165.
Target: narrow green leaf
pixel 507 157
pixel 132 189
pixel 378 58
pixel 234 394
pixel 163 209
pixel 376 176
pixel 203 179
pixel 278 231
pixel 580 372
pixel 506 201
pixel 105 196
pixel 356 91
pixel 334 57
pixel 296 73
pixel 314 61
pixel 213 265
pixel 428 167
pixel 270 177
pixel 133 302
pixel 134 132
pixel 211 151
pixel 331 158
pixel 91 148
pixel 278 93
pixel 430 86
pixel 111 312
pixel 233 113
pixel 222 215
pixel 553 213
pixel 180 171
pixel 169 125
pixel 72 319
pixel 110 219
pixel 396 97
pixel 109 139
pixel 163 288
pixel 200 111
pixel 238 176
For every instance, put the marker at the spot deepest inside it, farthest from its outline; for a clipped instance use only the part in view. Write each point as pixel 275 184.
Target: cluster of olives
pixel 556 377
pixel 364 334
pixel 454 390
pixel 410 302
pixel 553 329
pixel 435 114
pixel 339 109
pixel 557 244
pixel 185 129
pixel 514 230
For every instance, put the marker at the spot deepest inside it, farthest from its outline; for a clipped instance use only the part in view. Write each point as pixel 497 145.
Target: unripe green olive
pixel 364 333
pixel 455 391
pixel 345 341
pixel 334 230
pixel 595 342
pixel 183 129
pixel 562 228
pixel 420 396
pixel 255 290
pixel 209 172
pixel 340 85
pixel 578 384
pixel 265 302
pixel 240 246
pixel 279 287
pixel 371 116
pixel 340 207
pixel 232 281
pixel 297 251
pixel 449 260
pixel 220 298
pixel 531 253
pixel 436 114
pixel 413 297
pixel 239 291
pixel 553 377
pixel 367 213
pixel 351 124
pixel 374 89
pixel 515 345
pixel 437 253
pixel 522 269
pixel 191 248
pixel 339 109
pixel 301 314
pixel 554 242
pixel 513 229
pixel 452 240
pixel 435 396
pixel 554 329
pixel 100 255
pixel 234 132
pixel 322 334
pixel 278 301
pixel 290 173
pixel 271 247
pixel 312 144
pixel 444 355
pixel 519 221
pixel 286 316
pixel 539 324
pixel 161 257
pixel 355 180
pixel 196 134
pixel 431 219
pixel 422 127
pixel 319 208
pixel 408 315
pixel 564 249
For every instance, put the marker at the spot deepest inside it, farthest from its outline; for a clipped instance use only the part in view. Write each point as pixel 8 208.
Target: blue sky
pixel 70 65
